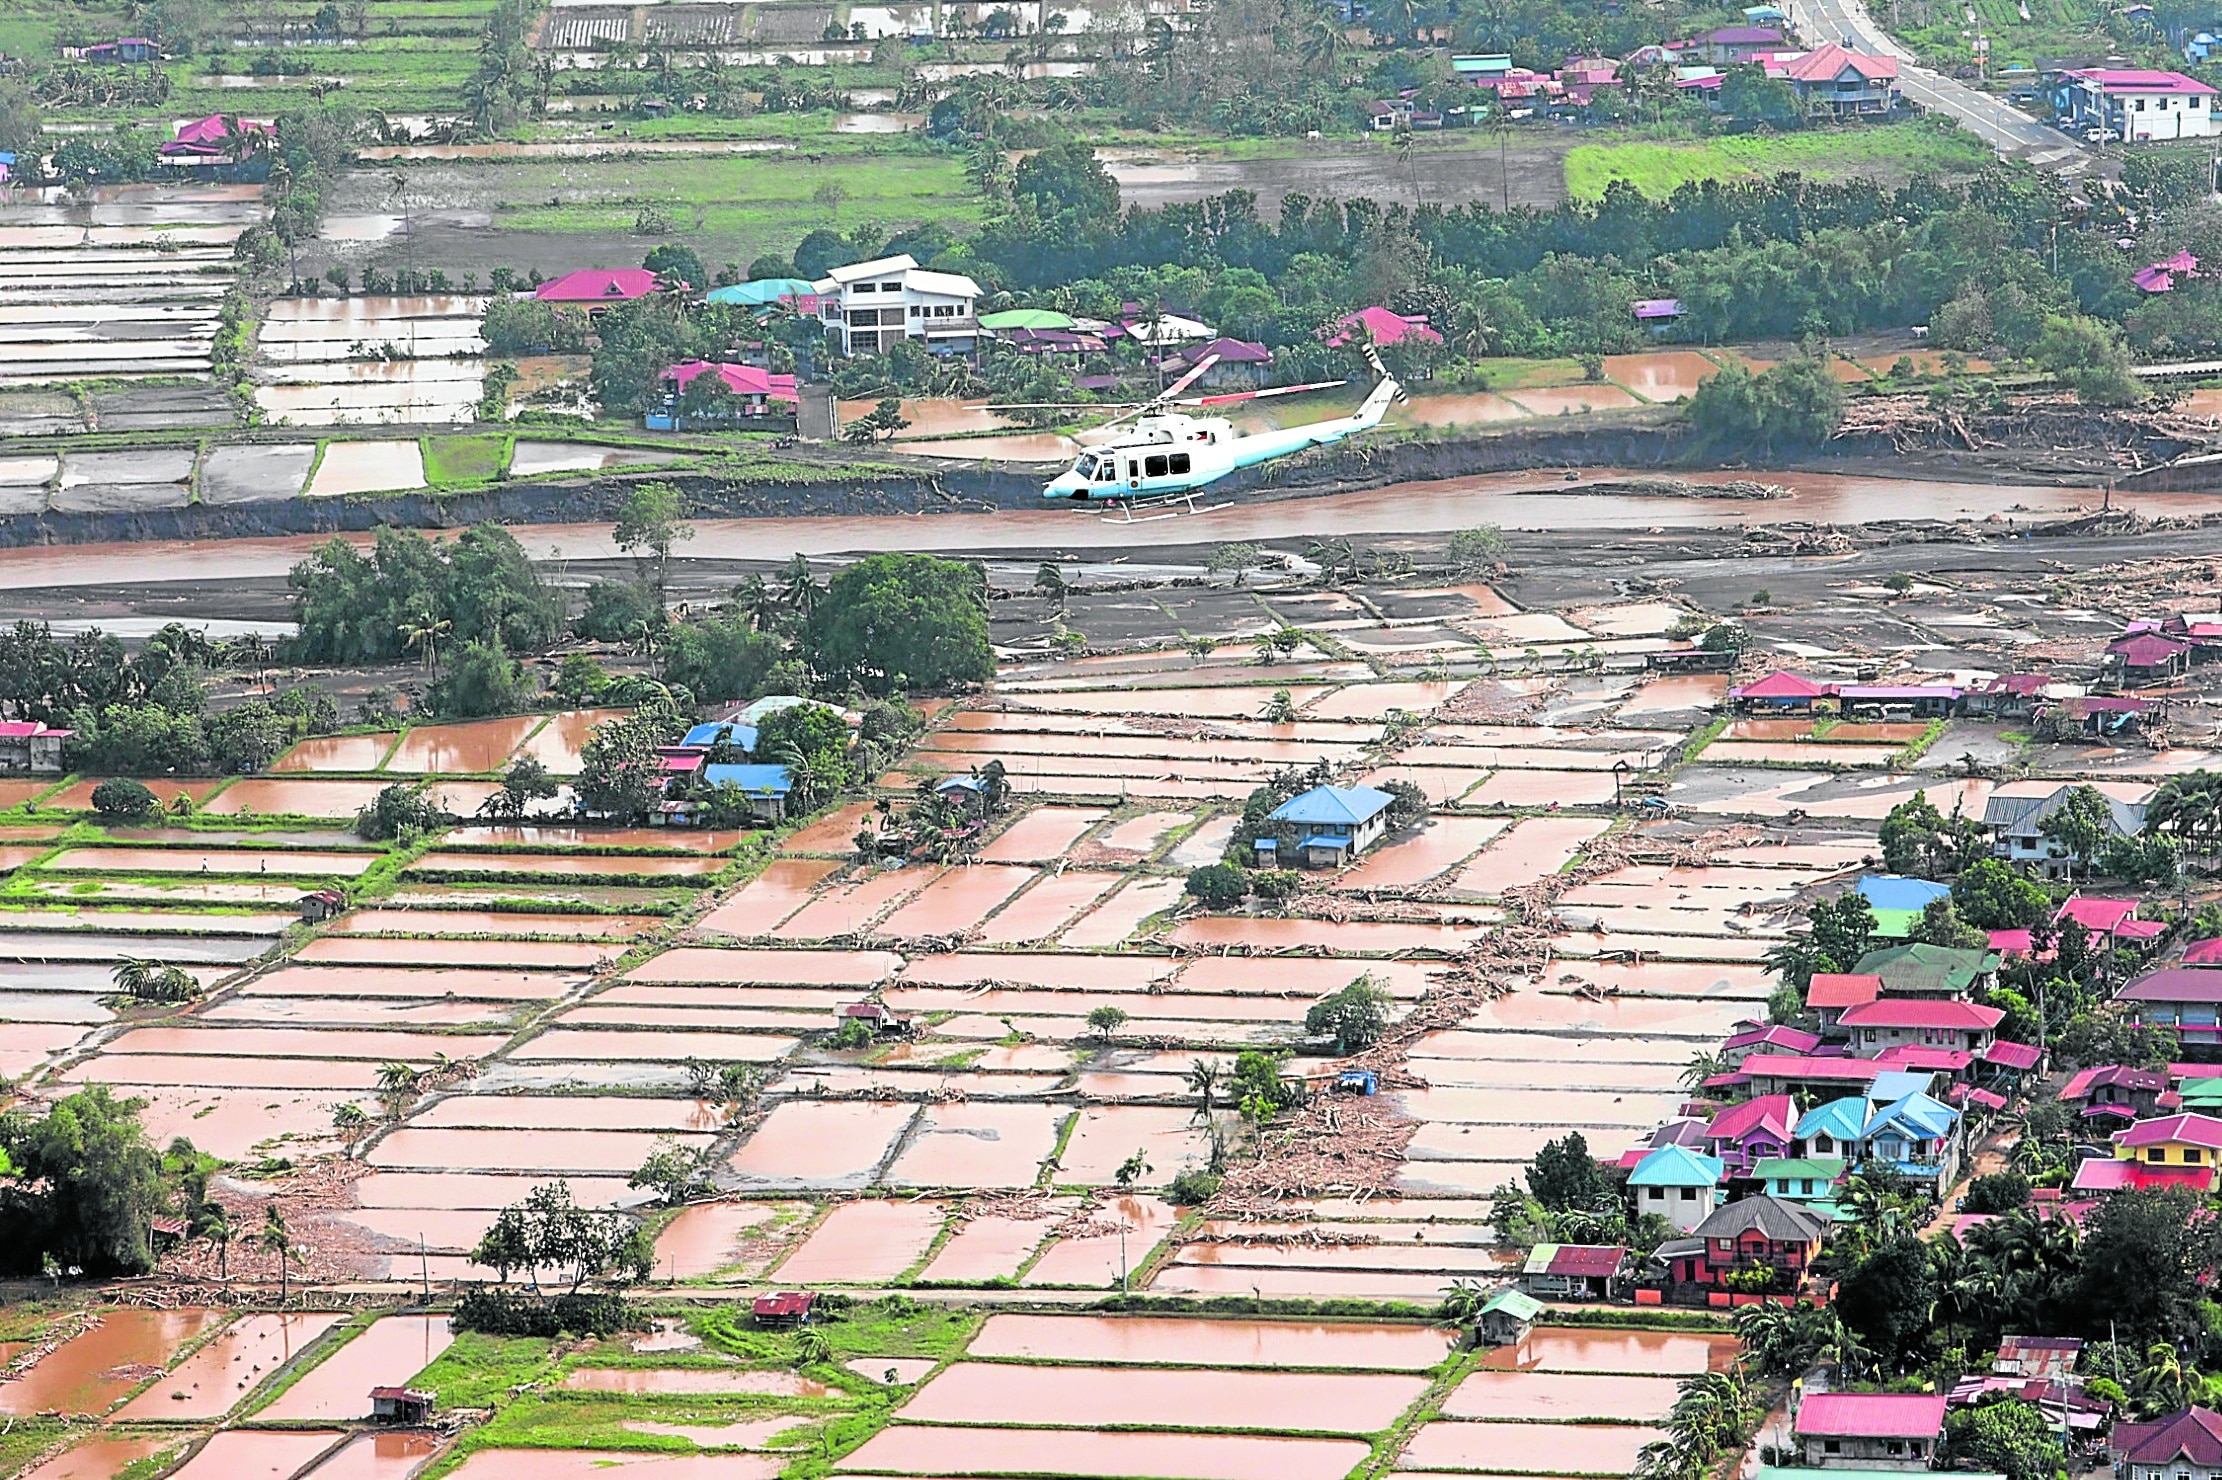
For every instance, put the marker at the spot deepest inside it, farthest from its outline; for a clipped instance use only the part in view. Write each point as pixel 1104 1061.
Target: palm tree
pixel 136 977
pixel 2164 1384
pixel 759 602
pixel 397 1086
pixel 1203 1078
pixel 1050 581
pixel 795 585
pixel 1704 1066
pixel 276 1239
pixel 1500 129
pixel 1323 45
pixel 423 632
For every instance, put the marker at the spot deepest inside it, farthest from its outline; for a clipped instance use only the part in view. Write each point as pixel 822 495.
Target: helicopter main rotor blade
pixel 1190 378
pixel 1259 395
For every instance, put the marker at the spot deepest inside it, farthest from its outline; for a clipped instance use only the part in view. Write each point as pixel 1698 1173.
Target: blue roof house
pixel 1332 825
pixel 721 732
pixel 1832 1130
pixel 1898 902
pixel 1919 1136
pixel 1680 1185
pixel 767 787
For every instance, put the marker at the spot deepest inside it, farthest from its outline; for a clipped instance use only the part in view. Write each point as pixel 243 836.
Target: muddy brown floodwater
pixel 211 1382
pixel 1526 500
pixel 74 1377
pixel 1216 1343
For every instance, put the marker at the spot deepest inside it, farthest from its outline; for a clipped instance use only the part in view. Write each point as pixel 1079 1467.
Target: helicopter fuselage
pixel 1169 454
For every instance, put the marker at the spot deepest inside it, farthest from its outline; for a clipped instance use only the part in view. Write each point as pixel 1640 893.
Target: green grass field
pixel 736 206
pixel 465 459
pixel 1889 152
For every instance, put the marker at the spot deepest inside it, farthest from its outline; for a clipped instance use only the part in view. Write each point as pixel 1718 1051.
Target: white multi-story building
pixel 2137 105
pixel 867 307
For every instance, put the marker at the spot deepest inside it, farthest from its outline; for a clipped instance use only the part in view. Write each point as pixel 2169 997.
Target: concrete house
pixel 1332 825
pixel 1832 1130
pixel 2178 1446
pixel 2185 998
pixel 2015 815
pixel 870 307
pixel 1831 994
pixel 1759 1232
pixel 2115 1093
pixel 2186 1140
pixel 27 745
pixel 1848 84
pixel 2137 105
pixel 1923 970
pixel 1870 1431
pixel 1918 1136
pixel 1927 1022
pixel 1809 1181
pixel 1680 1185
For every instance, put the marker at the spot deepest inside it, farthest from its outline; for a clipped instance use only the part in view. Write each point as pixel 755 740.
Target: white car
pixel 2101 136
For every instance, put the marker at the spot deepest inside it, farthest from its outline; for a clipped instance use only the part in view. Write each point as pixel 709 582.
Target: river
pixel 1532 500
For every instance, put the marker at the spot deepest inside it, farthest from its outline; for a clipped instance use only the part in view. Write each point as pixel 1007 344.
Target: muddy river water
pixel 1526 500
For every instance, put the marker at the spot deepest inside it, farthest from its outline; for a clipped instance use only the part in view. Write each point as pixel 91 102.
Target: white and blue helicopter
pixel 1171 455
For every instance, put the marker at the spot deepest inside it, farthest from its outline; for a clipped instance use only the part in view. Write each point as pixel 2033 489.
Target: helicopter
pixel 1170 454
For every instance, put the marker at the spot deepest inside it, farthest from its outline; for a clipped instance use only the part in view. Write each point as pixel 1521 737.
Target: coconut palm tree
pixel 136 977
pixel 1203 1078
pixel 1324 44
pixel 276 1239
pixel 423 632
pixel 2164 1384
pixel 1703 1066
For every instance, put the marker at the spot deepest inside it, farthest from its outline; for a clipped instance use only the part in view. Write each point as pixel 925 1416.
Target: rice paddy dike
pixel 989 1200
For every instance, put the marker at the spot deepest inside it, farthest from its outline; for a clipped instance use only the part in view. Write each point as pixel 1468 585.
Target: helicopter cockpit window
pixel 1153 467
pixel 1087 467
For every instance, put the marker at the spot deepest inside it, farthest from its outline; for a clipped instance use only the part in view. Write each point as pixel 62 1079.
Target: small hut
pixel 1506 1319
pixel 401 1405
pixel 785 1308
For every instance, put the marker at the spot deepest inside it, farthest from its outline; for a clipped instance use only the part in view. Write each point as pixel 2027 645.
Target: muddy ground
pixel 1442 170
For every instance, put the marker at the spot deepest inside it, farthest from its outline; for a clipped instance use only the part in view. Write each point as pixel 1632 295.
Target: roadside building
pixel 2115 1093
pixel 1918 1137
pixel 2137 105
pixel 2184 1140
pixel 1908 701
pixel 1874 1431
pixel 1848 84
pixel 1678 1184
pixel 2185 1445
pixel 870 307
pixel 753 392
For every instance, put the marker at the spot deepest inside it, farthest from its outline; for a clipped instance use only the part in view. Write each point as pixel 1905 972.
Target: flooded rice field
pixel 1005 1142
pixel 128 282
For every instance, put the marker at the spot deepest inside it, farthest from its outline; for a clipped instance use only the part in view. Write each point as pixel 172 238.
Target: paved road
pixel 1989 119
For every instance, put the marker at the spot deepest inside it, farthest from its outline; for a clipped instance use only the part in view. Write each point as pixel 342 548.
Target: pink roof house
pixel 2161 277
pixel 1383 328
pixel 1743 1135
pixel 745 381
pixel 598 285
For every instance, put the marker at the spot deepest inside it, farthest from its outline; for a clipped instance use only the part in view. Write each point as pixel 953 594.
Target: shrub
pixel 1218 886
pixel 122 797
pixel 1354 1017
pixel 1998 1192
pixel 500 1312
pixel 400 811
pixel 1193 1187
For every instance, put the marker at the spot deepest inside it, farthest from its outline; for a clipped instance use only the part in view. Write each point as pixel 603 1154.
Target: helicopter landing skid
pixel 1127 514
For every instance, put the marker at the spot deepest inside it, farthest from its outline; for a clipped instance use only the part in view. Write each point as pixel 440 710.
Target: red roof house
pixel 1923 1022
pixel 1781 690
pixel 745 381
pixel 1847 1429
pixel 597 285
pixel 1832 993
pixel 785 1308
pixel 2164 1443
pixel 2147 655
